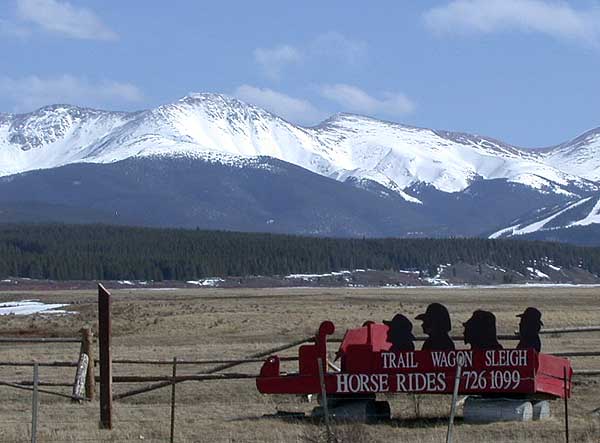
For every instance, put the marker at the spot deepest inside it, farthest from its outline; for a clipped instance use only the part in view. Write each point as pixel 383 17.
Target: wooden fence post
pixel 566 394
pixel 34 406
pixel 80 377
pixel 173 400
pixel 459 364
pixel 330 437
pixel 88 349
pixel 104 336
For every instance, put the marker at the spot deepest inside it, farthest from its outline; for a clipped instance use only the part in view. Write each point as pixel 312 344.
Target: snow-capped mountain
pixel 580 156
pixel 212 161
pixel 343 147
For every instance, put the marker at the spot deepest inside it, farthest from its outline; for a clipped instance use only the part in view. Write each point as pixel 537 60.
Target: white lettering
pixel 354 387
pixel 342 383
pixel 449 359
pixel 506 358
pixel 402 360
pixel 353 383
pixel 384 383
pixel 442 381
pixel 400 383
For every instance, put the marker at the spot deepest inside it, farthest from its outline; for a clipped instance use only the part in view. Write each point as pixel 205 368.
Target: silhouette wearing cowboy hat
pixel 400 334
pixel 529 329
pixel 480 331
pixel 436 324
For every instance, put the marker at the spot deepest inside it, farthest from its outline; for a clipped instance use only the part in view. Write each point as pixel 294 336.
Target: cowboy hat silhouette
pixel 529 329
pixel 480 331
pixel 400 333
pixel 436 324
pixel 532 315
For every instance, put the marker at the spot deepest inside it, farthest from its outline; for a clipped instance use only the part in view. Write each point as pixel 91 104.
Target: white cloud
pixel 354 99
pixel 63 18
pixel 290 108
pixel 338 46
pixel 330 46
pixel 275 59
pixel 28 93
pixel 555 18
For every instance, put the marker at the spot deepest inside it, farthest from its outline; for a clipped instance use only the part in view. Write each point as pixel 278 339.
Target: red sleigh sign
pixel 370 366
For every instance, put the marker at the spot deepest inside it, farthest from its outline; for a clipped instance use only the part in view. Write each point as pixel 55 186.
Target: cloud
pixel 32 92
pixel 274 60
pixel 338 46
pixel 63 18
pixel 554 18
pixel 354 99
pixel 330 46
pixel 290 108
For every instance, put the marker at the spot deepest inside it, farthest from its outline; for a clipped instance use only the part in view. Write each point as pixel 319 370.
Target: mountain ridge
pixel 213 161
pixel 341 147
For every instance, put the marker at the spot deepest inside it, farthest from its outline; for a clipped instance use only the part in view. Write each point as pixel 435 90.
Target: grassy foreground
pixel 213 323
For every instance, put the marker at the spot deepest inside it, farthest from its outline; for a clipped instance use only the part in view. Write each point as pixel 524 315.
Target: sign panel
pixel 487 371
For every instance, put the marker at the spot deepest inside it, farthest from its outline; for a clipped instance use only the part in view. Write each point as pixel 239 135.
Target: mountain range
pixel 212 161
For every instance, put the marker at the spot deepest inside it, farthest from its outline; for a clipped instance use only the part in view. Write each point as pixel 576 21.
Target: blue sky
pixel 523 71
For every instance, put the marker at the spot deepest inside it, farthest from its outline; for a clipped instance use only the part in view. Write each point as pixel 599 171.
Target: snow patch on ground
pixel 125 282
pixel 437 280
pixel 206 282
pixel 316 276
pixel 28 307
pixel 537 273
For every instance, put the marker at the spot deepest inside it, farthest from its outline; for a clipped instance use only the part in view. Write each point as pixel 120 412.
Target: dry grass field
pixel 213 323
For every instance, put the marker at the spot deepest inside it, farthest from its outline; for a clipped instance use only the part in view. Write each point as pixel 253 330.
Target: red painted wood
pixel 367 367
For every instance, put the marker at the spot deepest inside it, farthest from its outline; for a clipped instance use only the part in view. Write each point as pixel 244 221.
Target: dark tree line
pixel 86 252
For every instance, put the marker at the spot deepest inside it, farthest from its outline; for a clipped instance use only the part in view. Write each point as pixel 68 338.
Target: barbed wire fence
pixel 149 413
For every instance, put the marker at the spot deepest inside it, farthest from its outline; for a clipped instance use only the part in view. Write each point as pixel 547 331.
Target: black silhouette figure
pixel 529 329
pixel 400 333
pixel 480 331
pixel 436 324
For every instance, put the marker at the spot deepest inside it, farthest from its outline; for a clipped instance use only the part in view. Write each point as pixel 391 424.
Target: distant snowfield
pixel 28 307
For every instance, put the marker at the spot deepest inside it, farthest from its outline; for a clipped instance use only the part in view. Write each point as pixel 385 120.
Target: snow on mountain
pixel 580 156
pixel 406 155
pixel 343 147
pixel 583 212
pixel 53 136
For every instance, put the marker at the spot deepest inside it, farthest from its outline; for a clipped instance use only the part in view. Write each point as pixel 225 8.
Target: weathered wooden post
pixel 173 400
pixel 459 365
pixel 88 349
pixel 34 406
pixel 566 394
pixel 80 376
pixel 330 436
pixel 104 336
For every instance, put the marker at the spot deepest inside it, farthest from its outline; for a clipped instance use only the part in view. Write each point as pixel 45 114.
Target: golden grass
pixel 212 323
